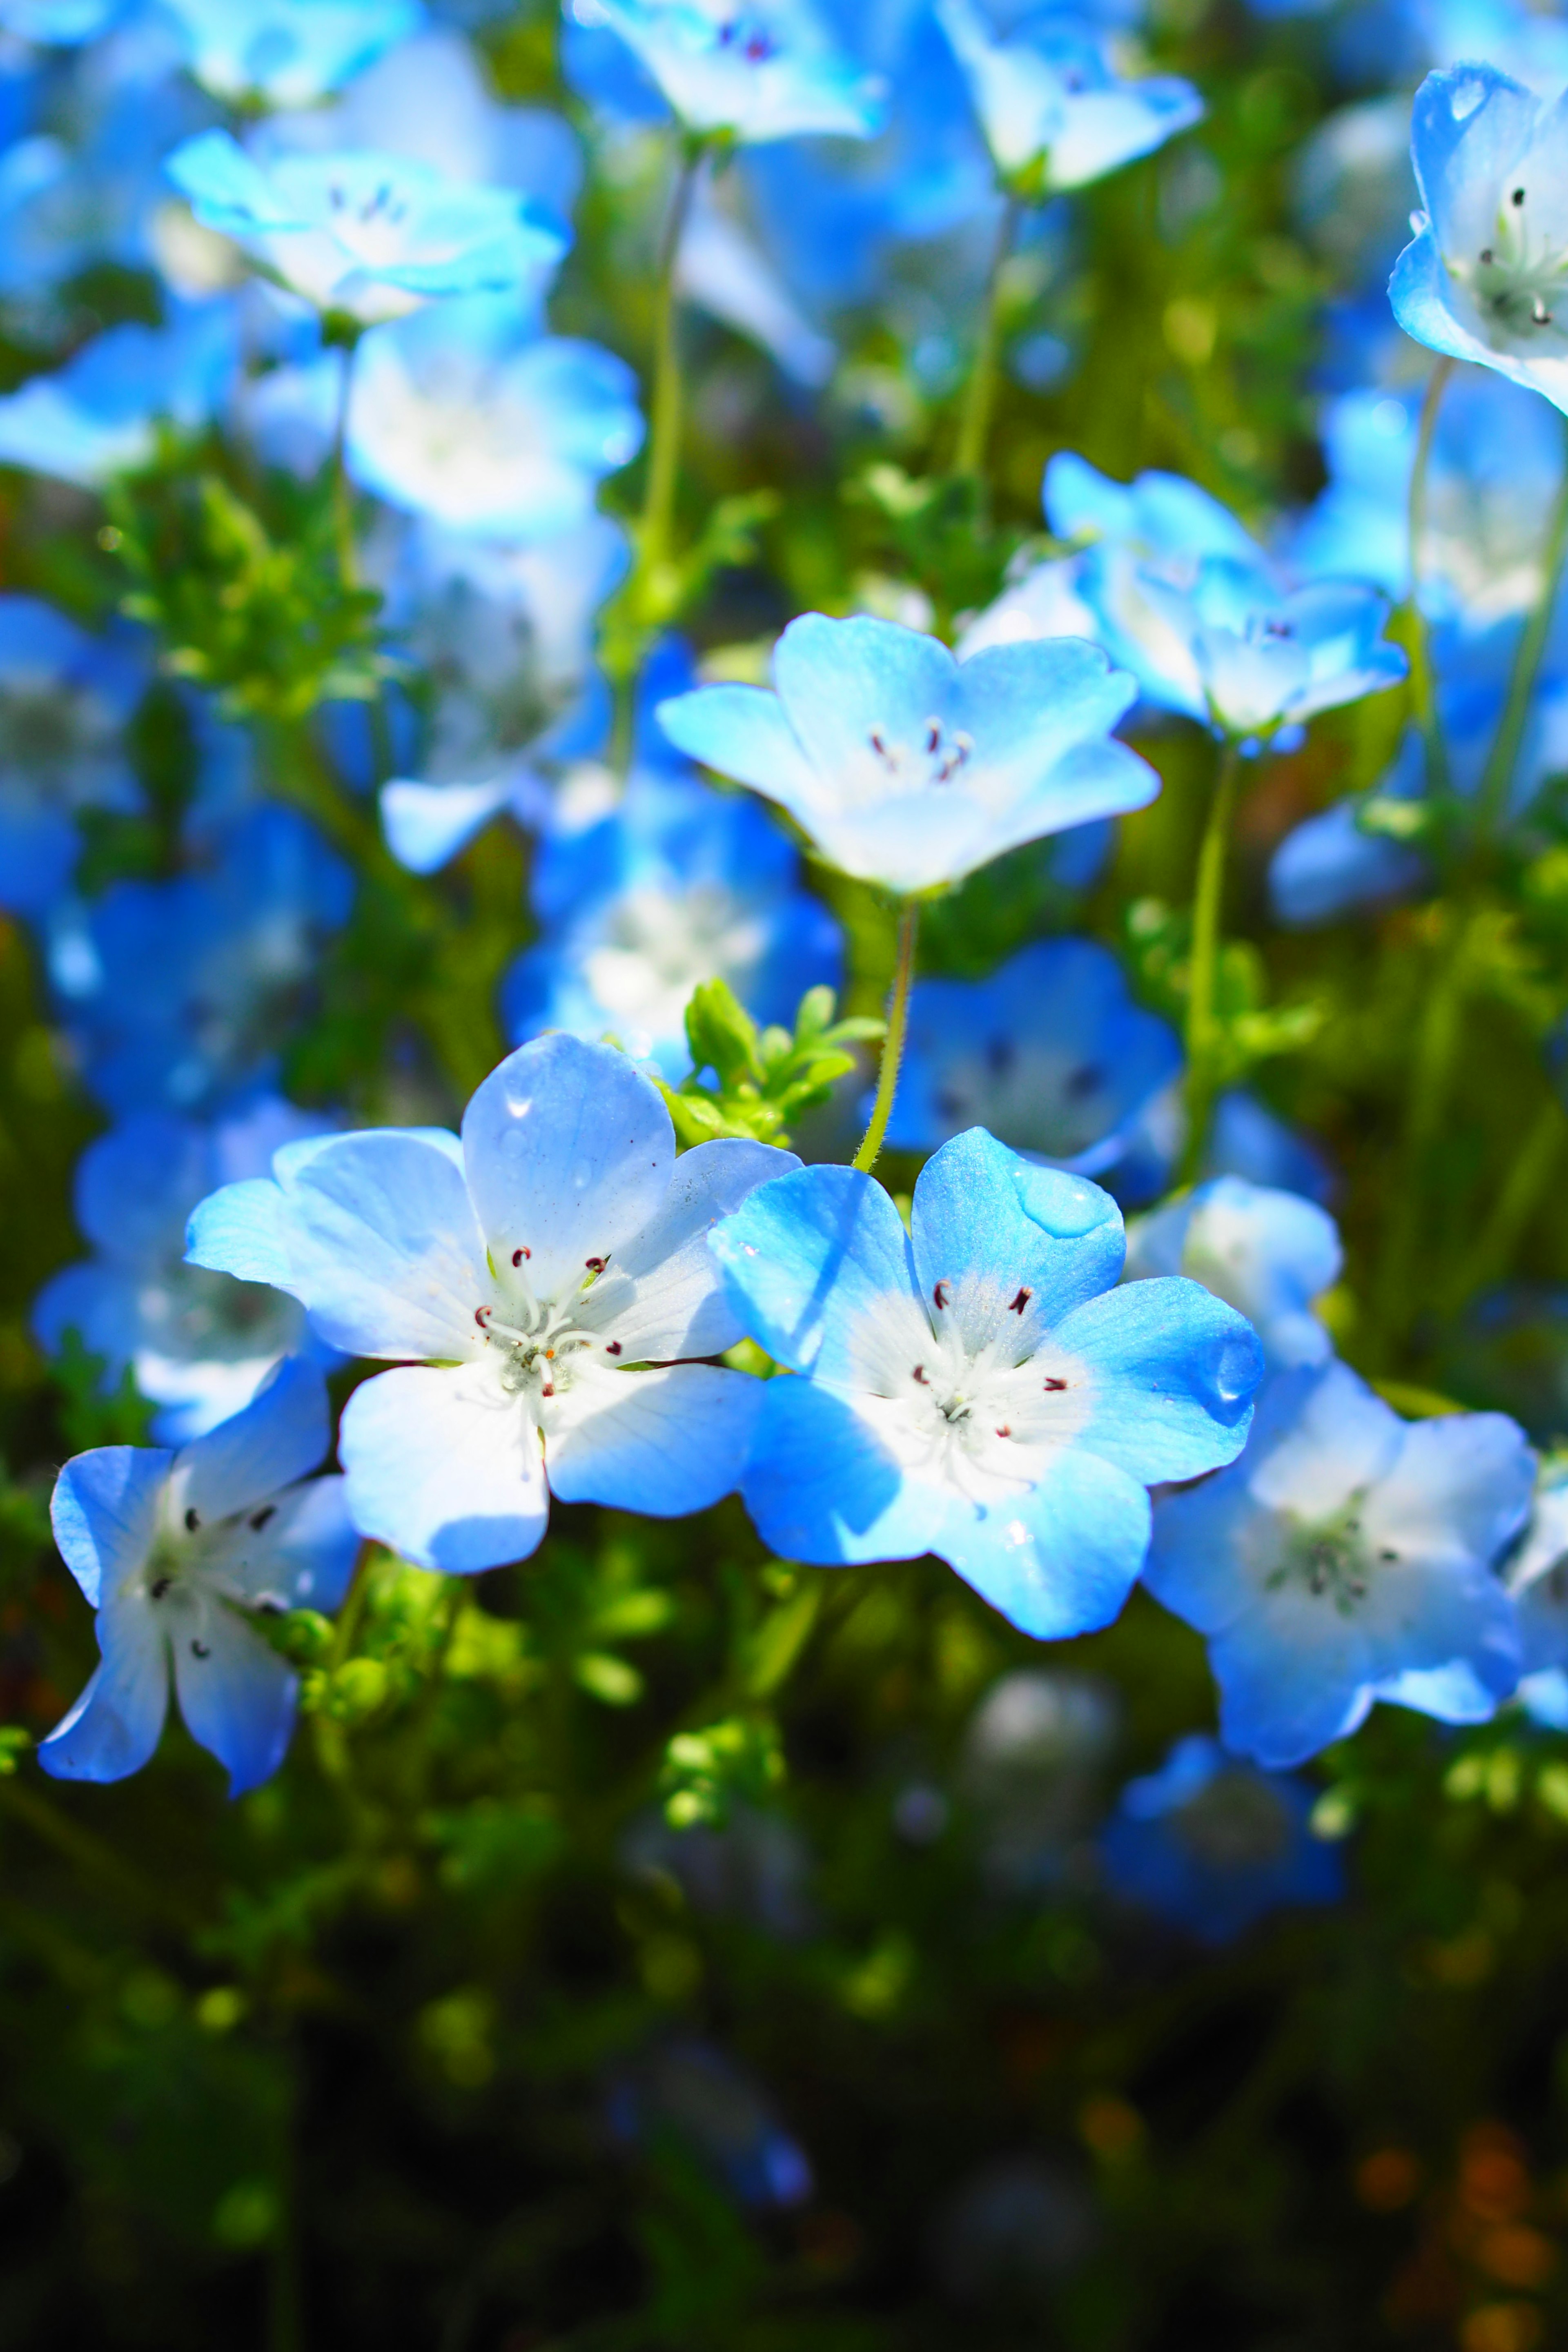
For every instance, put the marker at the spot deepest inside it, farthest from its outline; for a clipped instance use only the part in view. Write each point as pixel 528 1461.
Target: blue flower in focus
pixel 1212 1846
pixel 366 233
pixel 460 415
pixel 540 1282
pixel 764 69
pixel 675 885
pixel 181 994
pixel 976 1387
pixel 99 415
pixel 909 767
pixel 1348 1557
pixel 688 2091
pixel 1055 112
pixel 173 1550
pixel 1486 275
pixel 287 52
pixel 198 1344
pixel 65 698
pixel 1268 1253
pixel 1050 1055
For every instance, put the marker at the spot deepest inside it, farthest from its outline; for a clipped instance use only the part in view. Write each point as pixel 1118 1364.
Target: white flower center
pixel 538 1338
pixel 935 757
pixel 1519 279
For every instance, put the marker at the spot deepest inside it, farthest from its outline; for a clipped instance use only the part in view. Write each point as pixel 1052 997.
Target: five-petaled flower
pixel 754 69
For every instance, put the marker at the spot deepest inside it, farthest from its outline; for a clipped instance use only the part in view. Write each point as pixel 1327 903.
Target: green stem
pixel 1491 804
pixel 669 391
pixel 1423 689
pixel 893 1044
pixel 342 494
pixel 1516 1203
pixel 1204 1027
pixel 980 394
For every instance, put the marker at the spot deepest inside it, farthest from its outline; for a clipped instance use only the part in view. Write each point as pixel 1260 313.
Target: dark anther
pixel 482 1316
pixel 259 1519
pixel 548 1390
pixel 1053 1384
pixel 596 1264
pixel 160 1588
pixel 192 1521
pixel 519 1254
pixel 920 1376
pixel 941 1295
pixel 933 736
pixel 200 1650
pixel 1386 1554
pixel 1486 256
pixel 1519 196
pixel 1005 1430
pixel 269 1608
pixel 1016 1305
pixel 612 1346
pixel 878 743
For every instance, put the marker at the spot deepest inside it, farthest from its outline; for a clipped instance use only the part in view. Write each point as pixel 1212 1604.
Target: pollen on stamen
pixel 1005 1430
pixel 919 1374
pixel 1053 1384
pixel 1017 1304
pixel 548 1390
pixel 519 1254
pixel 612 1346
pixel 482 1316
pixel 596 1264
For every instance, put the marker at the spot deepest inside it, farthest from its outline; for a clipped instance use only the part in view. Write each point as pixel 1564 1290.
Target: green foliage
pixel 709 1771
pixel 765 1078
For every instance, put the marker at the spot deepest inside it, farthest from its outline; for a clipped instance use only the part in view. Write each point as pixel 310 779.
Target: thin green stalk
pixel 342 494
pixel 893 1044
pixel 1534 1167
pixel 980 394
pixel 1492 804
pixel 668 407
pixel 1423 687
pixel 1203 1028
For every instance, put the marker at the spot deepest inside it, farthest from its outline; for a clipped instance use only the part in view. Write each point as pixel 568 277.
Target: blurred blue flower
pixel 909 767
pixel 1267 1253
pixel 1482 277
pixel 537 1282
pixel 171 1549
pixel 198 1344
pixel 99 415
pixel 60 24
pixel 458 415
pixel 181 994
pixel 1537 1576
pixel 673 885
pixel 287 52
pixel 367 233
pixel 1050 1055
pixel 1055 112
pixel 768 70
pixel 691 2092
pixel 1348 1557
pixel 65 698
pixel 1212 1846
pixel 976 1388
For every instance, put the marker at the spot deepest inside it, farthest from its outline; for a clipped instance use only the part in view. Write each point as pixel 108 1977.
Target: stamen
pixel 259 1519
pixel 482 1317
pixel 612 1346
pixel 200 1650
pixel 941 1295
pixel 157 1590
pixel 1005 1430
pixel 192 1521
pixel 1519 196
pixel 596 1264
pixel 919 1374
pixel 1016 1306
pixel 519 1254
pixel 933 734
pixel 1053 1385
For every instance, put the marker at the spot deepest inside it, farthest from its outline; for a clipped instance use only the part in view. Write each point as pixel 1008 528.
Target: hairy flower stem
pixel 1204 1030
pixel 1423 687
pixel 893 1044
pixel 1491 802
pixel 980 394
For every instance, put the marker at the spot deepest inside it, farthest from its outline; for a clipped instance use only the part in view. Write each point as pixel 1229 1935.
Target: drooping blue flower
pixel 1348 1557
pixel 768 69
pixel 180 993
pixel 99 415
pixel 543 1284
pixel 674 884
pixel 976 1388
pixel 1050 1055
pixel 171 1549
pixel 1537 1576
pixel 1483 278
pixel 909 767
pixel 458 415
pixel 1212 1846
pixel 1268 1253
pixel 287 52
pixel 65 698
pixel 366 233
pixel 1055 112
pixel 198 1344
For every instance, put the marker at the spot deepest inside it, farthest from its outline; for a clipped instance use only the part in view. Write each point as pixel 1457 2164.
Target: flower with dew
pixel 976 1387
pixel 752 69
pixel 1269 1253
pixel 287 52
pixel 543 1285
pixel 1349 1557
pixel 1485 277
pixel 909 767
pixel 173 1550
pixel 65 698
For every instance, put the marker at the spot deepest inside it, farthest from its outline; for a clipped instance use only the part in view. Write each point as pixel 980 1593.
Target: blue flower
pixel 976 1388
pixel 98 416
pixel 198 1344
pixel 171 1549
pixel 1483 277
pixel 64 701
pixel 676 885
pixel 1348 1557
pixel 692 2092
pixel 766 69
pixel 59 24
pixel 1050 1055
pixel 909 767
pixel 367 233
pixel 1268 1253
pixel 538 1281
pixel 1537 1576
pixel 457 415
pixel 1054 112
pixel 181 993
pixel 1212 1846
pixel 287 52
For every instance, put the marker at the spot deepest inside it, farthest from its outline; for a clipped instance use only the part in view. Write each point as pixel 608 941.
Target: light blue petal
pixel 1421 293
pixel 740 731
pixel 839 680
pixel 822 1486
pixel 296 1553
pixel 1063 1559
pixel 1282 1701
pixel 990 1228
pixel 809 1260
pixel 237 1696
pixel 226 190
pixel 427 824
pixel 115 1725
pixel 243 1230
pixel 1172 1371
pixel 665 1293
pixel 663 1442
pixel 280 1435
pixel 105 1513
pixel 444 1469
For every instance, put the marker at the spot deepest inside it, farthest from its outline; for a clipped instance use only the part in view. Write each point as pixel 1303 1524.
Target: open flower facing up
pixel 287 52
pixel 976 1387
pixel 756 69
pixel 909 767
pixel 1267 1253
pixel 170 1548
pixel 536 1279
pixel 368 234
pixel 1486 275
pixel 1055 112
pixel 1348 1557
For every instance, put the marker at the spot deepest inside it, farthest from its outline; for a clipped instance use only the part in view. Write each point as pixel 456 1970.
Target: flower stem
pixel 980 394
pixel 893 1044
pixel 1423 688
pixel 343 495
pixel 1491 802
pixel 1203 1032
